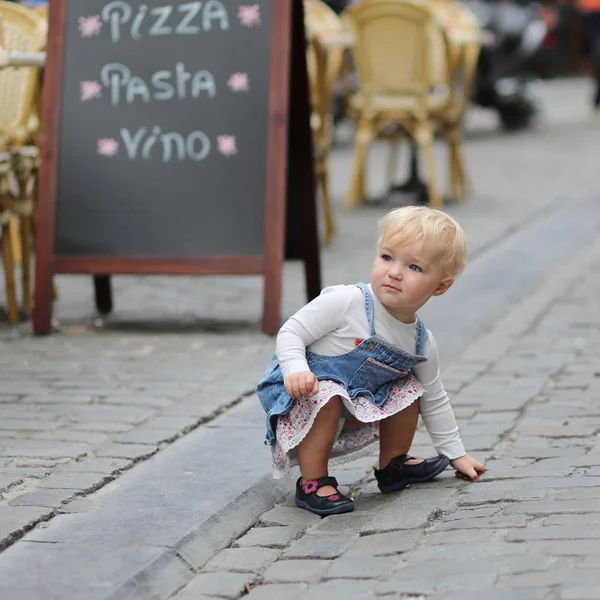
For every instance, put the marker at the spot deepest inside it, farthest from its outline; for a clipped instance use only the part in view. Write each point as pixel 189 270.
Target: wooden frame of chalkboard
pixel 290 216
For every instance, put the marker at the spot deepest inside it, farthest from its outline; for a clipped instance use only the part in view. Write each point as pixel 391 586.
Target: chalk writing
pixel 190 18
pixel 164 85
pixel 195 146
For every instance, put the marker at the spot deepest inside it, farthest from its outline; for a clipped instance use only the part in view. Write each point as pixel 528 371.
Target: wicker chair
pixel 398 84
pixel 324 66
pixel 21 29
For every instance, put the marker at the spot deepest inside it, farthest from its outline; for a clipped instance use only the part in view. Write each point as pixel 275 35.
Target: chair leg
pixel 9 276
pixel 323 179
pixel 364 137
pixel 393 161
pixel 424 138
pixel 457 172
pixel 15 239
pixel 26 263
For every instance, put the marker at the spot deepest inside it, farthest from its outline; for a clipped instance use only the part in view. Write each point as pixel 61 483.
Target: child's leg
pixel 396 470
pixel 397 433
pixel 314 450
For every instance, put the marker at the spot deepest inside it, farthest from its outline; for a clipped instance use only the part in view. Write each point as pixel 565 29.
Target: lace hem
pixel 350 443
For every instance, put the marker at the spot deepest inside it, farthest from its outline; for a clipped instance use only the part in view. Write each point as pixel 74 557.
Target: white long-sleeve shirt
pixel 330 324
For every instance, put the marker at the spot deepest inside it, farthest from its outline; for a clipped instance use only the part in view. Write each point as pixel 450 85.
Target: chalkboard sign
pixel 175 140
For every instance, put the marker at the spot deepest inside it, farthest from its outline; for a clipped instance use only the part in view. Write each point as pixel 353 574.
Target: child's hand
pixel 301 385
pixel 467 467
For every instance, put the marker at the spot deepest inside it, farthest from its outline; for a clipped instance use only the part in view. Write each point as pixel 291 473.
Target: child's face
pixel 405 277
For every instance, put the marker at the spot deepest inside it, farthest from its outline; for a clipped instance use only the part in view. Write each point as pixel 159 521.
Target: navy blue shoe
pixel 334 504
pixel 397 475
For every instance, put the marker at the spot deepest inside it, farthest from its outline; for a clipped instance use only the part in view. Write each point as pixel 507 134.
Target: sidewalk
pixel 527 396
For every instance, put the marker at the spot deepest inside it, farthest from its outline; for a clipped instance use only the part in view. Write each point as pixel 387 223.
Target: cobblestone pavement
pixel 79 408
pixel 528 399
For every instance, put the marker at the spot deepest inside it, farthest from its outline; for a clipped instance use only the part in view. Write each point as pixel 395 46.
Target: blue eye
pixel 415 268
pixel 386 257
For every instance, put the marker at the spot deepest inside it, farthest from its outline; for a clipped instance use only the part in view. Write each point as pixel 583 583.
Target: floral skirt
pixel 350 443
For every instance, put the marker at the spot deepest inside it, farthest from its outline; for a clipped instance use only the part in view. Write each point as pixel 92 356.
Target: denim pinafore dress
pixel 369 370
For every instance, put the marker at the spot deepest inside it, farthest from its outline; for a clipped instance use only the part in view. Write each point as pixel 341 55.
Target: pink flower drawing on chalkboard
pixel 90 90
pixel 227 145
pixel 89 26
pixel 238 82
pixel 249 15
pixel 108 147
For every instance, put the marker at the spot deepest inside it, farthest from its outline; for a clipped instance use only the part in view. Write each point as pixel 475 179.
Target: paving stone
pixel 552 506
pixel 68 435
pixel 581 592
pixel 591 561
pixel 547 453
pixel 28 424
pixel 283 515
pixel 76 481
pixel 550 578
pixel 454 552
pixel 555 532
pixel 575 494
pixel 410 584
pixel 175 423
pixel 223 584
pixel 16 519
pixel 484 523
pixel 47 449
pixel 473 513
pixel 132 451
pixel 341 588
pixel 99 465
pixel 245 560
pixel 47 498
pixel 410 510
pixel 146 436
pixel 8 480
pixel 269 537
pixel 352 523
pixel 570 519
pixel 289 591
pixel 465 536
pixel 320 546
pixel 495 594
pixel 366 567
pixel 299 571
pixel 136 400
pixel 551 467
pixel 384 544
pixel 498 491
pixel 104 426
pixel 550 429
pixel 22 472
pixel 566 547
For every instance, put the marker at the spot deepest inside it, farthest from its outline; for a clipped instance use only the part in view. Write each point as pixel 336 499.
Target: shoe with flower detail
pixel 334 504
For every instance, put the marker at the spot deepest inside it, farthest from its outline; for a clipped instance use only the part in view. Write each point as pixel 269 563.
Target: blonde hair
pixel 409 224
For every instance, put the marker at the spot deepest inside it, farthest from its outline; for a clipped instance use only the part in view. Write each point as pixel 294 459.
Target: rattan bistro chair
pixel 324 66
pixel 21 29
pixel 464 36
pixel 397 82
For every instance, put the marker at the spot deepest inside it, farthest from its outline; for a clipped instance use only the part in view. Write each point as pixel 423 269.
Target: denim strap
pixel 368 307
pixel 422 335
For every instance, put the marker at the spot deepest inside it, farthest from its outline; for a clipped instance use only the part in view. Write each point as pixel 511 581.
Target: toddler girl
pixel 357 365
